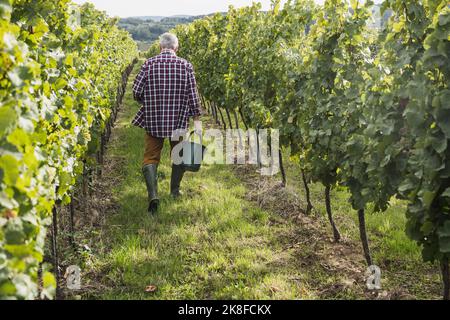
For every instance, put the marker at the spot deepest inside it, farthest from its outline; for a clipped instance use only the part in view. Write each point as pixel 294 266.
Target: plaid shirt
pixel 167 90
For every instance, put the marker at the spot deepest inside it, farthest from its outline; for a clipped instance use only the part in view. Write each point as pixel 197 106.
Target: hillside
pixel 145 30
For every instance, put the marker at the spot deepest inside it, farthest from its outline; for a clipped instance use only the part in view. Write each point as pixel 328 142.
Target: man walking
pixel 167 89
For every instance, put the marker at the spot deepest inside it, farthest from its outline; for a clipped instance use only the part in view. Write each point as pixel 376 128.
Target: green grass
pixel 399 257
pixel 211 244
pixel 214 243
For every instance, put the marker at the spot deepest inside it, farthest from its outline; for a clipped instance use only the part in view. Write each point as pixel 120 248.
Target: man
pixel 167 89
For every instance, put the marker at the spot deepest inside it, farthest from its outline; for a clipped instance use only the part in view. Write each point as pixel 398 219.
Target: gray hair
pixel 168 41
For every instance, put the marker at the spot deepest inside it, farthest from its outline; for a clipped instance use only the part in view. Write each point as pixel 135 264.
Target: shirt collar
pixel 168 51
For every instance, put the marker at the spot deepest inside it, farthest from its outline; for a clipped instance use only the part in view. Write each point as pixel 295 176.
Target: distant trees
pixel 148 29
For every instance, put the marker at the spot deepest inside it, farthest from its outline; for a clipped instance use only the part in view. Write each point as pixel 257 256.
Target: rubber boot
pixel 151 179
pixel 175 181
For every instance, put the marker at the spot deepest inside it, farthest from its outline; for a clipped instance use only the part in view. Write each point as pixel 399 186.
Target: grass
pixel 404 272
pixel 211 244
pixel 216 243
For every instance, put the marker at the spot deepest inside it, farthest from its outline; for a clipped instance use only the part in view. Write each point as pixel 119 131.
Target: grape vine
pixel 358 108
pixel 60 69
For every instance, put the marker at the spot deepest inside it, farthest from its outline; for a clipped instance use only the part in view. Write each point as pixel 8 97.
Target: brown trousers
pixel 153 148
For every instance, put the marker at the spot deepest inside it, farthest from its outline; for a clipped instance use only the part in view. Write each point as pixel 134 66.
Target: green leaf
pixel 8 119
pixel 7 289
pixel 19 138
pixel 69 60
pixel 446 193
pixel 48 280
pixel 405 186
pixel 444 244
pixel 443 120
pixel 428 197
pixel 60 84
pixel 7 202
pixel 444 231
pixel 14 234
pixel 444 19
pixel 427 228
pixel 429 252
pixel 10 167
pixel 5 8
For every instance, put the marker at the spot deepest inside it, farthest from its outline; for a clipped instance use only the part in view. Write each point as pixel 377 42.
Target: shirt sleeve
pixel 139 84
pixel 195 108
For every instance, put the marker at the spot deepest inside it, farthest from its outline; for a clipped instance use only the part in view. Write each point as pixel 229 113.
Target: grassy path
pixel 211 244
pixel 216 243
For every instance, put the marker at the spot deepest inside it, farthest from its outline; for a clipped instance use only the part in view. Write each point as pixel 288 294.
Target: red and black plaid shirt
pixel 167 90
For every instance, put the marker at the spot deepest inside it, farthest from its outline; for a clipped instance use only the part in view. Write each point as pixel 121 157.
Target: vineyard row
pixel 63 70
pixel 357 107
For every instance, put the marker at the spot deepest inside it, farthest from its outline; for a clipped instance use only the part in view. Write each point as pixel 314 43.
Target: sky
pixel 129 8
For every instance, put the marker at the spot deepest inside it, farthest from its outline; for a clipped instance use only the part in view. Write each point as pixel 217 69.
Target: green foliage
pixel 58 83
pixel 427 183
pixel 358 108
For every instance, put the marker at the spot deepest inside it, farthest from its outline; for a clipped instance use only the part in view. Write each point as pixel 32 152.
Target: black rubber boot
pixel 151 179
pixel 175 181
